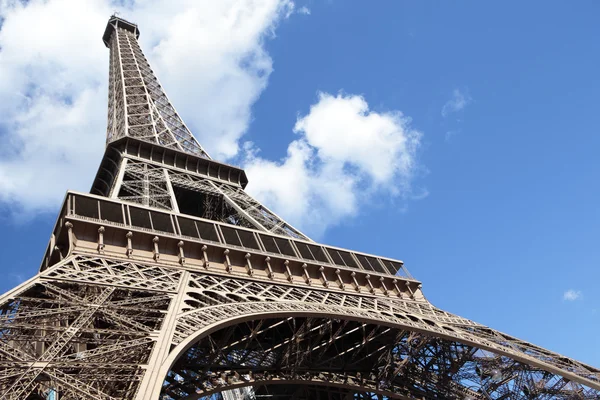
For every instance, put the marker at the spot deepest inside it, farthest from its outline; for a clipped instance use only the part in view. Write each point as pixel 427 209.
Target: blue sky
pixel 499 216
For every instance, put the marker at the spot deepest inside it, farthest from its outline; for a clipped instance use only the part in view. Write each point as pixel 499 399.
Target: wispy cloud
pixel 572 295
pixel 458 102
pixel 420 195
pixel 290 8
pixel 450 134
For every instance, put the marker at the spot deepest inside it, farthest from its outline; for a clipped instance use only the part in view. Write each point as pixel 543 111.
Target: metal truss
pixel 292 391
pixel 94 325
pixel 477 336
pixel 143 297
pixel 83 328
pixel 308 392
pixel 358 357
pixel 216 205
pixel 145 184
pixel 265 217
pixel 138 106
pixel 205 291
pixel 253 213
pixel 153 185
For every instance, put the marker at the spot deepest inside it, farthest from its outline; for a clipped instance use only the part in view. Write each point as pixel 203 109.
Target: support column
pixel 174 204
pixel 163 344
pixel 114 193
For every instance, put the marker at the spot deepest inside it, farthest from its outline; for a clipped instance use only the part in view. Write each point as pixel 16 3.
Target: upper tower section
pixel 115 22
pixel 137 105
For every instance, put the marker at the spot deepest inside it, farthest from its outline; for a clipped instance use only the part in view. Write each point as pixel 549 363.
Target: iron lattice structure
pixel 168 281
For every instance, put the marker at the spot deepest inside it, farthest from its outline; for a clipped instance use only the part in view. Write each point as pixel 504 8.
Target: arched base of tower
pixel 342 358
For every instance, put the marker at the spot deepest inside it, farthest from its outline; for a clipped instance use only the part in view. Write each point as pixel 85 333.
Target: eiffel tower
pixel 168 281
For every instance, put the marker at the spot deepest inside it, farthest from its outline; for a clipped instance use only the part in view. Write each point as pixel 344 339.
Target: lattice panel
pixel 145 184
pixel 304 391
pixel 82 329
pixel 480 337
pixel 101 270
pixel 138 106
pixel 207 290
pixel 360 356
pixel 253 214
pixel 265 217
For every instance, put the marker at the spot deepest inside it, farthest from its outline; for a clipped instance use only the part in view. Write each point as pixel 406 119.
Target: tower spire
pixel 137 104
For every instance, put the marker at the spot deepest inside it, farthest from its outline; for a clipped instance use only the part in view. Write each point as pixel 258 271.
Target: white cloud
pixel 458 102
pixel 53 81
pixel 345 155
pixel 210 57
pixel 572 295
pixel 304 10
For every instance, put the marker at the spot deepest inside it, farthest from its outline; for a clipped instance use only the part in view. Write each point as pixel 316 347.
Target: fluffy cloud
pixel 345 154
pixel 210 57
pixel 458 102
pixel 54 72
pixel 572 295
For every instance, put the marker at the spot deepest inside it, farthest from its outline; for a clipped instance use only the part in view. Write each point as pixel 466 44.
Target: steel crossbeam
pixel 27 380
